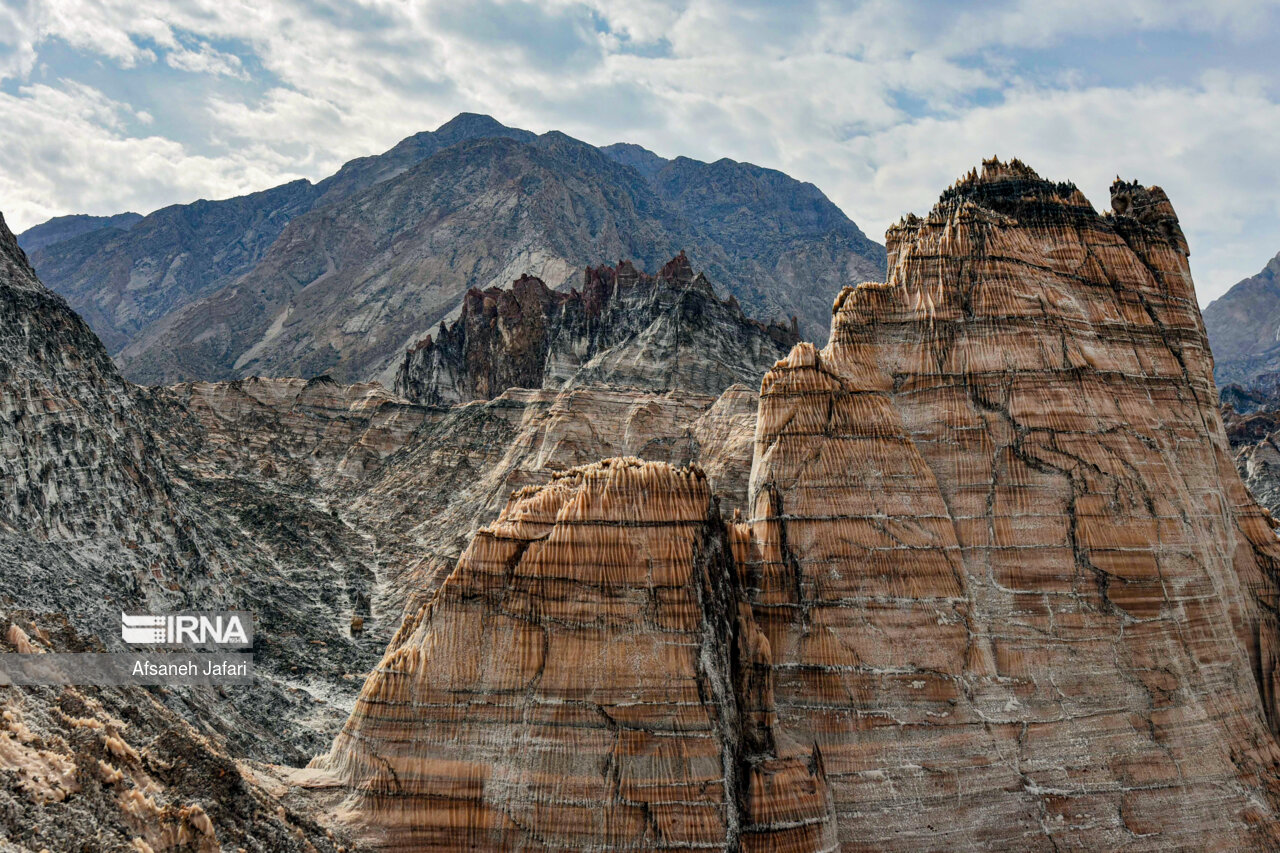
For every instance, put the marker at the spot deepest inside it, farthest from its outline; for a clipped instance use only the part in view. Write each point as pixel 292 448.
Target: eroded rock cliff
pixel 588 678
pixel 624 328
pixel 1034 500
pixel 101 510
pixel 1009 590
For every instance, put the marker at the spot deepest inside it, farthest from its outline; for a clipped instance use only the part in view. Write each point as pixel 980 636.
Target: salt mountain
pixel 996 584
pixel 1000 587
pixel 342 276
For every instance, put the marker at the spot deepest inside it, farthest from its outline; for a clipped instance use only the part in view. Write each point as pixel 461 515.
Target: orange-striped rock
pixel 1000 588
pixel 588 678
pixel 1014 589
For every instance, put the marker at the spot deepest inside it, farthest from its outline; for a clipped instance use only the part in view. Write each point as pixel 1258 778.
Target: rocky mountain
pixel 1244 329
pixel 623 328
pixel 999 587
pixel 104 507
pixel 124 282
pixel 63 228
pixel 341 277
pixel 792 249
pixel 310 503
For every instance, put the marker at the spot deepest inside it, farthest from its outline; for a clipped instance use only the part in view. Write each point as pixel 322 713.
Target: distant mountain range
pixel 1244 330
pixel 342 276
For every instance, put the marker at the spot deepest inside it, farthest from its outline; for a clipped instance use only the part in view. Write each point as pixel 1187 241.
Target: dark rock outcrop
pixel 624 328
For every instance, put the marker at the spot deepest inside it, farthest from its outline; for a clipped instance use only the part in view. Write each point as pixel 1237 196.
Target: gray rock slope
pixel 1244 329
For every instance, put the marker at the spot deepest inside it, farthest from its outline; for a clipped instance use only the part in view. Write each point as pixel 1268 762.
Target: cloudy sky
pixel 112 105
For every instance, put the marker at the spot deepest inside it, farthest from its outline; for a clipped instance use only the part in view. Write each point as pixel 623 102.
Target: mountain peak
pixel 469 125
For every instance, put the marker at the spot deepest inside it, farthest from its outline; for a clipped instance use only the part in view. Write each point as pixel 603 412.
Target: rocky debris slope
pixel 342 276
pixel 1010 592
pixel 624 329
pixel 588 678
pixel 115 770
pixel 99 513
pixel 1244 329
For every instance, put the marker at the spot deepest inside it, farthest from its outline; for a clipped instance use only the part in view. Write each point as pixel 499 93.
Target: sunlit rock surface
pixel 588 678
pixel 1009 590
pixel 1013 587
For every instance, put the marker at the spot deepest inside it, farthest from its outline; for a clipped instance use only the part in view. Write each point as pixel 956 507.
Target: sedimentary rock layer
pixel 588 678
pixel 624 329
pixel 1013 587
pixel 1006 589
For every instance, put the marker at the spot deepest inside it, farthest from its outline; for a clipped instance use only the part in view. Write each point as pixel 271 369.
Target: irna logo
pixel 197 629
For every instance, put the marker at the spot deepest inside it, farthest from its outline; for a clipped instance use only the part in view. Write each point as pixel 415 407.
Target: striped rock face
pixel 1014 589
pixel 1001 588
pixel 588 678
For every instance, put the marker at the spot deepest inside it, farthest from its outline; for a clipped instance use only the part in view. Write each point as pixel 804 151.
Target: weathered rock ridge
pixel 1000 583
pixel 623 328
pixel 1009 457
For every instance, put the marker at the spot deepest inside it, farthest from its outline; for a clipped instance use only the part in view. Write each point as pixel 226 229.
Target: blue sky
pixel 111 105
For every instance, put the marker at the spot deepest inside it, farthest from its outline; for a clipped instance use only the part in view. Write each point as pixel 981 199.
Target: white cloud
pixel 880 103
pixel 60 144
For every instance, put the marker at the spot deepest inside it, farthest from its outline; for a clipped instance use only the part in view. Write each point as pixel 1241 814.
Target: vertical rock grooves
pixel 588 678
pixel 1001 588
pixel 1017 437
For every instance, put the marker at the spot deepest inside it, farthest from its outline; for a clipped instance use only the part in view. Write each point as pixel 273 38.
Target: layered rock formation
pixel 589 678
pixel 1043 512
pixel 624 329
pixel 1009 590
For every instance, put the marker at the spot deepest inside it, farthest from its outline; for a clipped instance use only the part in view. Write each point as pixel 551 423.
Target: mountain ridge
pixel 133 286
